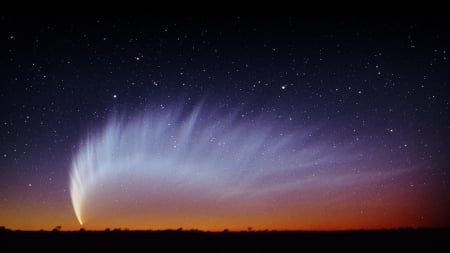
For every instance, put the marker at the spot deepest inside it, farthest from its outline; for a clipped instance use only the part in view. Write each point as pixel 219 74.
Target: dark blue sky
pixel 378 84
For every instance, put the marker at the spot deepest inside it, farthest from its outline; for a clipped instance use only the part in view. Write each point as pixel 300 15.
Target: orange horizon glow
pixel 402 210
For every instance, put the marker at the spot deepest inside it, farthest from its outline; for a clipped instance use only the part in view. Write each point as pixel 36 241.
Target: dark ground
pixel 437 240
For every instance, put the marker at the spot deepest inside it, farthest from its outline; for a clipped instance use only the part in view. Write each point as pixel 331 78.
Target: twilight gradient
pixel 180 167
pixel 316 122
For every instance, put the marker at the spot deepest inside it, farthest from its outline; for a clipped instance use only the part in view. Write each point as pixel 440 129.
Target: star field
pixel 364 103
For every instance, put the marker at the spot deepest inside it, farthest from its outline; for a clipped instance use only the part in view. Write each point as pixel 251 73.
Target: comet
pixel 210 155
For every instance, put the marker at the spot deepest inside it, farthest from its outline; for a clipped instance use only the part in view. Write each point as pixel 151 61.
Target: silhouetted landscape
pixel 437 240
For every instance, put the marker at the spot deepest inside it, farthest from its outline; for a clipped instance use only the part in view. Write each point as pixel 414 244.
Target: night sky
pixel 269 122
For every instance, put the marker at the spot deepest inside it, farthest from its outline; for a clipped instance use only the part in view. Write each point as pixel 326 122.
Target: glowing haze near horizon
pixel 269 122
